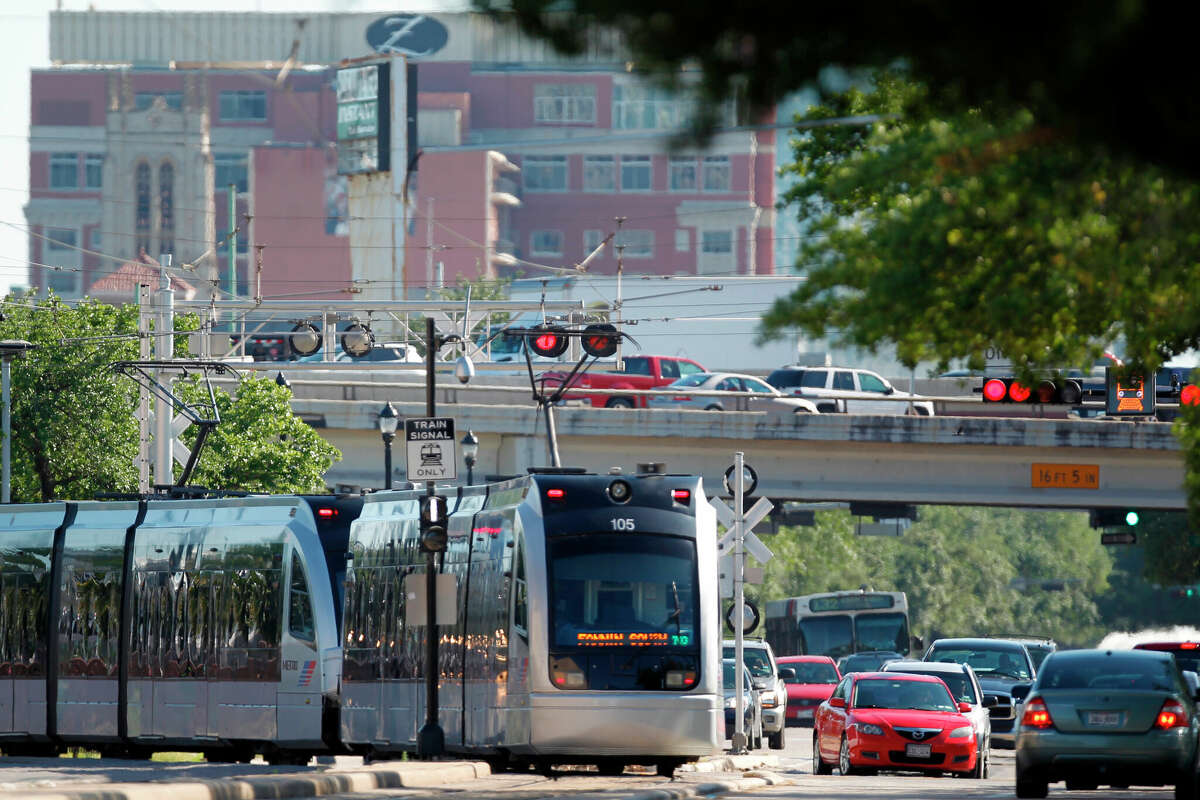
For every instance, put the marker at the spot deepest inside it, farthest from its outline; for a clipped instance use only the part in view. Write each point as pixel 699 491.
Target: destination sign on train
pixel 631 639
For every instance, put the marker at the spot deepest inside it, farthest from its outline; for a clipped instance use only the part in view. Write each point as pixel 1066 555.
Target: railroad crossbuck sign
pixel 752 544
pixel 432 449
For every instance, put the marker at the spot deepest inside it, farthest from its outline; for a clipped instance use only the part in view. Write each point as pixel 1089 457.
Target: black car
pixel 1000 664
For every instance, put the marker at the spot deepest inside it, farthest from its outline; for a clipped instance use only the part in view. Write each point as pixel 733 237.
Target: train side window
pixel 520 593
pixel 300 615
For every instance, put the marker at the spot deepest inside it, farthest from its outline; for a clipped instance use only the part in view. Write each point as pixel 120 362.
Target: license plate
pixel 918 750
pixel 1106 719
pixel 804 713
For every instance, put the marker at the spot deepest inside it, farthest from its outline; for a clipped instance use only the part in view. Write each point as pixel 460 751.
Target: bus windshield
pixel 611 591
pixel 882 632
pixel 828 636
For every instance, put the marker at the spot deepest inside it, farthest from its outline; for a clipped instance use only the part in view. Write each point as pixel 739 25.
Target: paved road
pixel 788 777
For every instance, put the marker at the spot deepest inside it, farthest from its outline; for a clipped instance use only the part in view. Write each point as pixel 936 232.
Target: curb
pixel 730 763
pixel 414 775
pixel 710 789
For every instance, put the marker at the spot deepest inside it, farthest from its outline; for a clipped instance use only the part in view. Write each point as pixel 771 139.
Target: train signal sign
pixel 548 341
pixel 1046 392
pixel 1128 395
pixel 600 340
pixel 431 448
pixel 1118 537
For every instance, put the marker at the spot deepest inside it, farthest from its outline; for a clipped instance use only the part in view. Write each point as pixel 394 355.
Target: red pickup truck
pixel 641 372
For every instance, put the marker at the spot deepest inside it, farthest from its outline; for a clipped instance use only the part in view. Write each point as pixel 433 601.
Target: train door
pixel 299 717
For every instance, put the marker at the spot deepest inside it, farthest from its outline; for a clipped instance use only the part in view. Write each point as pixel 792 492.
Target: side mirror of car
pixel 990 701
pixel 787 674
pixel 965 707
pixel 1020 691
pixel 837 702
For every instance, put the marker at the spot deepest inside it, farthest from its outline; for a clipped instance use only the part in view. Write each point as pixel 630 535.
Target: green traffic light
pixel 1190 591
pixel 1131 518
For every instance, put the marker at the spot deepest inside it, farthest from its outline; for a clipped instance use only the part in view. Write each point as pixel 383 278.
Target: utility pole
pixel 620 269
pixel 232 247
pixel 144 343
pixel 164 349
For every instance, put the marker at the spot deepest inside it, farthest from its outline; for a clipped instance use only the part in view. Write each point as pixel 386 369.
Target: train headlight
pixel 680 679
pixel 731 702
pixel 620 491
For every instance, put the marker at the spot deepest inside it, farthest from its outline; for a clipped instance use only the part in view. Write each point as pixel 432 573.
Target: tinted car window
pixel 814 379
pixel 728 385
pixel 958 682
pixel 757 386
pixel 811 672
pixel 1006 662
pixel 1102 672
pixel 870 383
pixel 638 366
pixel 785 378
pixel 843 380
pixel 670 369
pixel 756 660
pixel 688 368
pixel 690 380
pixel 880 693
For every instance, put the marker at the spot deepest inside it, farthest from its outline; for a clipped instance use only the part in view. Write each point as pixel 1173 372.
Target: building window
pixel 230 168
pixel 635 173
pixel 95 239
pixel 638 244
pixel 683 174
pixel 683 242
pixel 243 106
pixel 141 204
pixel 64 170
pixel 173 100
pixel 642 107
pixel 93 170
pixel 545 173
pixel 546 243
pixel 564 102
pixel 599 174
pixel 166 208
pixel 61 240
pixel 64 283
pixel 716 174
pixel 717 242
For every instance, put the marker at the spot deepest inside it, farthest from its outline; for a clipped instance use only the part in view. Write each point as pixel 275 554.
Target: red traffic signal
pixel 548 341
pixel 600 340
pixel 1189 395
pixel 1048 392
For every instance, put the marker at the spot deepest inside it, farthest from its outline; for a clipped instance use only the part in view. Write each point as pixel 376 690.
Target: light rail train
pixel 585 625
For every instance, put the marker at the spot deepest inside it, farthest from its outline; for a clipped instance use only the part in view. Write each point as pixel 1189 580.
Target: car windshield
pixel 727 673
pixel 922 695
pixel 811 672
pixel 1000 662
pixel 690 381
pixel 1038 653
pixel 959 684
pixel 1109 671
pixel 638 591
pixel 866 662
pixel 754 658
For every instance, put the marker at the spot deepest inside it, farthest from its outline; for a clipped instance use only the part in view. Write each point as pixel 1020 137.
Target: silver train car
pixel 584 627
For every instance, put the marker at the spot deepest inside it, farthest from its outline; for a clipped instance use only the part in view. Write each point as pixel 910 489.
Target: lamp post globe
pixel 388 420
pixel 470 451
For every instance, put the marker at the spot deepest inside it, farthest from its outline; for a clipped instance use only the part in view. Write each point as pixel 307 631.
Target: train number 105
pixel 622 523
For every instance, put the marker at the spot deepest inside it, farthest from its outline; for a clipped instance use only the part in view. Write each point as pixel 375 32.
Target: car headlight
pixel 961 733
pixel 869 729
pixel 768 699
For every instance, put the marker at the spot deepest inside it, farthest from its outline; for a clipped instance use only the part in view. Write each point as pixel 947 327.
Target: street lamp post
pixel 9 349
pixel 388 420
pixel 470 450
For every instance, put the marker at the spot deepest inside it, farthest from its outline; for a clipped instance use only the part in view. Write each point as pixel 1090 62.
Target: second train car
pixel 585 625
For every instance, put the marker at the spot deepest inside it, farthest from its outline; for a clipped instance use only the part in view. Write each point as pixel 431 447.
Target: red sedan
pixel 890 720
pixel 813 683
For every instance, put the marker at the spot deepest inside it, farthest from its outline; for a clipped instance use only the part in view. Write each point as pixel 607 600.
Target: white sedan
pixel 727 391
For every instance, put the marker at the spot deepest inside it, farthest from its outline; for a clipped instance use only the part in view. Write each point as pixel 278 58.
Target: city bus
pixel 836 624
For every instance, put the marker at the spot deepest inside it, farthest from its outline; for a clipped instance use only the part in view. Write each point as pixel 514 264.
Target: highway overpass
pixel 1045 463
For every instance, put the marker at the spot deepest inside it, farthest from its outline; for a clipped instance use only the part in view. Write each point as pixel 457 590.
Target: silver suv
pixel 847 389
pixel 772 689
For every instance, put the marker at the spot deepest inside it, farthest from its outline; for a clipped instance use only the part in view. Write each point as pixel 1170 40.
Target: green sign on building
pixel 363 107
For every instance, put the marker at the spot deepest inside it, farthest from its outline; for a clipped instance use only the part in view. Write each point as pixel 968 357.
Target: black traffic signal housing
pixel 548 341
pixel 1064 391
pixel 1183 592
pixel 600 340
pixel 433 523
pixel 1114 517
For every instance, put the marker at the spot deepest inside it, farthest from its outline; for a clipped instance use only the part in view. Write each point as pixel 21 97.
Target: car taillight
pixel 1036 715
pixel 1172 715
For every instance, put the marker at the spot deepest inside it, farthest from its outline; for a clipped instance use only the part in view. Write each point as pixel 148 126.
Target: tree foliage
pixel 966 571
pixel 1109 72
pixel 74 428
pixel 995 231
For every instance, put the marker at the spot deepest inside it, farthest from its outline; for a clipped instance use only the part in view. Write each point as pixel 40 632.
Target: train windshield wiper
pixel 677 614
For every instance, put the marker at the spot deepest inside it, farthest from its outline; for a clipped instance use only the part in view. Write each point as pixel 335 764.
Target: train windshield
pixel 632 591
